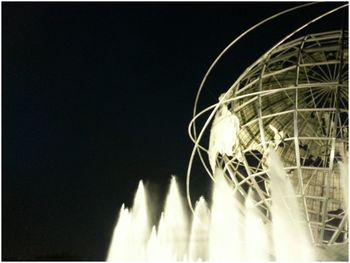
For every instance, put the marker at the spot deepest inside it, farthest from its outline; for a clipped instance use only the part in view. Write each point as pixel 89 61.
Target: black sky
pixel 96 96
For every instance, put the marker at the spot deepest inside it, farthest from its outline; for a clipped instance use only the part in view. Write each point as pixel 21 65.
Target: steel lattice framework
pixel 300 89
pixel 295 99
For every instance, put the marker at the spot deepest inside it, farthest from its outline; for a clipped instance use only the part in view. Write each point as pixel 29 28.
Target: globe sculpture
pixel 296 100
pixel 293 99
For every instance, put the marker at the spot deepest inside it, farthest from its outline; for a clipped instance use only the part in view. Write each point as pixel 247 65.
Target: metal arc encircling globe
pixel 294 98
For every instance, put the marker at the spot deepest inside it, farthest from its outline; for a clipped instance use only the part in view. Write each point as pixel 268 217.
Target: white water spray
pixel 256 237
pixel 344 182
pixel 291 240
pixel 225 240
pixel 229 231
pixel 132 231
pixel 199 240
pixel 173 227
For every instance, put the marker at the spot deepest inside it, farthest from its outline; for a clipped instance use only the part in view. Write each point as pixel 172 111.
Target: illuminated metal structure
pixel 294 98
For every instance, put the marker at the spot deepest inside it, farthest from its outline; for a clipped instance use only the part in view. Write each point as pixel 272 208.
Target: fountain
pixel 229 231
pixel 277 157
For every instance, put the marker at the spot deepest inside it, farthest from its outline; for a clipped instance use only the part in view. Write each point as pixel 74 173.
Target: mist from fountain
pixel 344 182
pixel 290 235
pixel 231 230
pixel 132 231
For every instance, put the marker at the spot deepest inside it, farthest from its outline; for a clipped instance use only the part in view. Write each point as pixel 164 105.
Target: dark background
pixel 96 96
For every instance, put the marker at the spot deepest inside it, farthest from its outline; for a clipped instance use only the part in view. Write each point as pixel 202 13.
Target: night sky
pixel 96 96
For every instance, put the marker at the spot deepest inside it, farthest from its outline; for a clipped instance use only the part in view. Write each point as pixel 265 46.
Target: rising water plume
pixel 230 230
